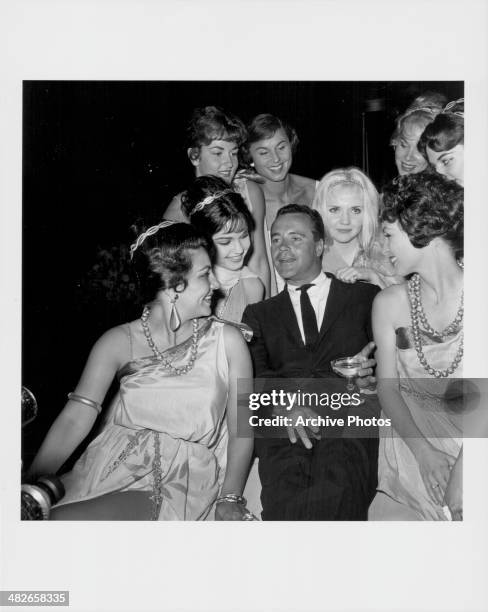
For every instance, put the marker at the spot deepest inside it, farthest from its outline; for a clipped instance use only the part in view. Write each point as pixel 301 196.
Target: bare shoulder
pixel 303 181
pixel 112 348
pixel 174 212
pixel 253 188
pixel 253 288
pixel 304 187
pixel 392 294
pixel 233 340
pixel 256 196
pixel 392 303
pixel 114 339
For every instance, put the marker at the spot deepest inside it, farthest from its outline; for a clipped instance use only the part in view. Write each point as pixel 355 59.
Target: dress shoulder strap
pixel 128 331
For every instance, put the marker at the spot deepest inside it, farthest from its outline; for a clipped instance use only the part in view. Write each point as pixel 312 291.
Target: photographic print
pixel 241 261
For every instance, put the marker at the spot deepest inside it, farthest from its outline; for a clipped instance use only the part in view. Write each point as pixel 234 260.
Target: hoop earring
pixel 174 317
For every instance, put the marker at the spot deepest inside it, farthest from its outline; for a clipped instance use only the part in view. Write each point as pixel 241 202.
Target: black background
pixel 96 155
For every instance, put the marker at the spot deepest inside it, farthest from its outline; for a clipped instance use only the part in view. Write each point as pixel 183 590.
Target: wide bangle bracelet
pixel 84 400
pixel 233 498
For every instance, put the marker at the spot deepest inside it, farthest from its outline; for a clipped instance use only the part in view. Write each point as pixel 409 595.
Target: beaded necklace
pixel 418 317
pixel 157 353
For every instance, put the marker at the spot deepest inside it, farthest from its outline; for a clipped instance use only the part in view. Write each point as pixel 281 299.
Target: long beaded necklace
pixel 157 353
pixel 418 317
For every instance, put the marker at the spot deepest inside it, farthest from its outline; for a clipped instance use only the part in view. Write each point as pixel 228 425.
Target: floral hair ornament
pixel 149 232
pixel 448 108
pixel 209 199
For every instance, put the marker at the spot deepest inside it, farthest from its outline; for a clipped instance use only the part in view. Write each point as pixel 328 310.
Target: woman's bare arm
pixel 241 441
pixel 76 419
pixel 254 290
pixel 258 262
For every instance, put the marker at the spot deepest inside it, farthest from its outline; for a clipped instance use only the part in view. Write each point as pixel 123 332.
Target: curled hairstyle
pixel 225 210
pixel 420 112
pixel 318 230
pixel 426 206
pixel 212 123
pixel 349 177
pixel 163 259
pixel 265 126
pixel 446 131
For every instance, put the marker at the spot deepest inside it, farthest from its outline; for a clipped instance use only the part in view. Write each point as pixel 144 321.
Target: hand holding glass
pixel 349 368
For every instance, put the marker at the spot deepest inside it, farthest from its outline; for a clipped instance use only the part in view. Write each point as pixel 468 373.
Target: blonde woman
pixel 408 130
pixel 348 203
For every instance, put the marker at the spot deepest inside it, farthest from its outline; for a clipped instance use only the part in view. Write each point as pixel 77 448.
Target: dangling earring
pixel 252 164
pixel 174 317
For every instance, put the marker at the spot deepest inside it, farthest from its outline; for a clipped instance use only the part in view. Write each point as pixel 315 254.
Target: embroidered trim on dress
pixel 126 452
pixel 157 496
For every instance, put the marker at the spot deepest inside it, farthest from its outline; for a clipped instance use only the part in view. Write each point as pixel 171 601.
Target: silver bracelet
pixel 84 400
pixel 233 498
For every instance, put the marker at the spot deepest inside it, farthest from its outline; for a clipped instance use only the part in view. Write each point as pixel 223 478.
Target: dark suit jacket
pixel 337 479
pixel 277 347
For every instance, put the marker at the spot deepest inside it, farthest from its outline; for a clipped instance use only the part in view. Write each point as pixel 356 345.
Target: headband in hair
pixel 447 110
pixel 208 200
pixel 432 110
pixel 149 232
pixel 346 181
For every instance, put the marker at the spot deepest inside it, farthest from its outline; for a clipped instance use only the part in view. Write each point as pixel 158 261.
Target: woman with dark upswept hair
pixel 442 142
pixel 212 145
pixel 222 216
pixel 418 331
pixel 162 453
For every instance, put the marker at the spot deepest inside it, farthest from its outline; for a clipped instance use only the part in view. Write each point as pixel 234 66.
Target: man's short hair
pixel 318 229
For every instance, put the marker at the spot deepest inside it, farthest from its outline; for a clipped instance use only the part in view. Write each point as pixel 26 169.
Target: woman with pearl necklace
pixel 418 330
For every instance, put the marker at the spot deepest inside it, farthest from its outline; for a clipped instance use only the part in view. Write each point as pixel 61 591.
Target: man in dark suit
pixel 315 319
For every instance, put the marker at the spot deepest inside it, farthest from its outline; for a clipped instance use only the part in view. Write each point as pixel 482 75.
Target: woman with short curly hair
pixel 418 330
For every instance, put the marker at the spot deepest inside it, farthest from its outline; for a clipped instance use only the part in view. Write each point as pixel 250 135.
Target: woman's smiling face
pixel 403 255
pixel 408 158
pixel 219 158
pixel 272 157
pixel 232 246
pixel 195 299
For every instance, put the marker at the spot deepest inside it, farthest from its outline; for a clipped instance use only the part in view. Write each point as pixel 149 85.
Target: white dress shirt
pixel 318 295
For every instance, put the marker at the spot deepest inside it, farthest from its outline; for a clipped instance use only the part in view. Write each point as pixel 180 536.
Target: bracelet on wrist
pixel 231 497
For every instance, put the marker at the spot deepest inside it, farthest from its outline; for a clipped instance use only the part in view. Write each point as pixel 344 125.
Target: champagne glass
pixel 348 367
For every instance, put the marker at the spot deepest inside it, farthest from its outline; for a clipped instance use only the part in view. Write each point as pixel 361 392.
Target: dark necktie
pixel 309 320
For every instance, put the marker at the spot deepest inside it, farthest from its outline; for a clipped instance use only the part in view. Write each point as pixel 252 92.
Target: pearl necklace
pixel 417 315
pixel 157 353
